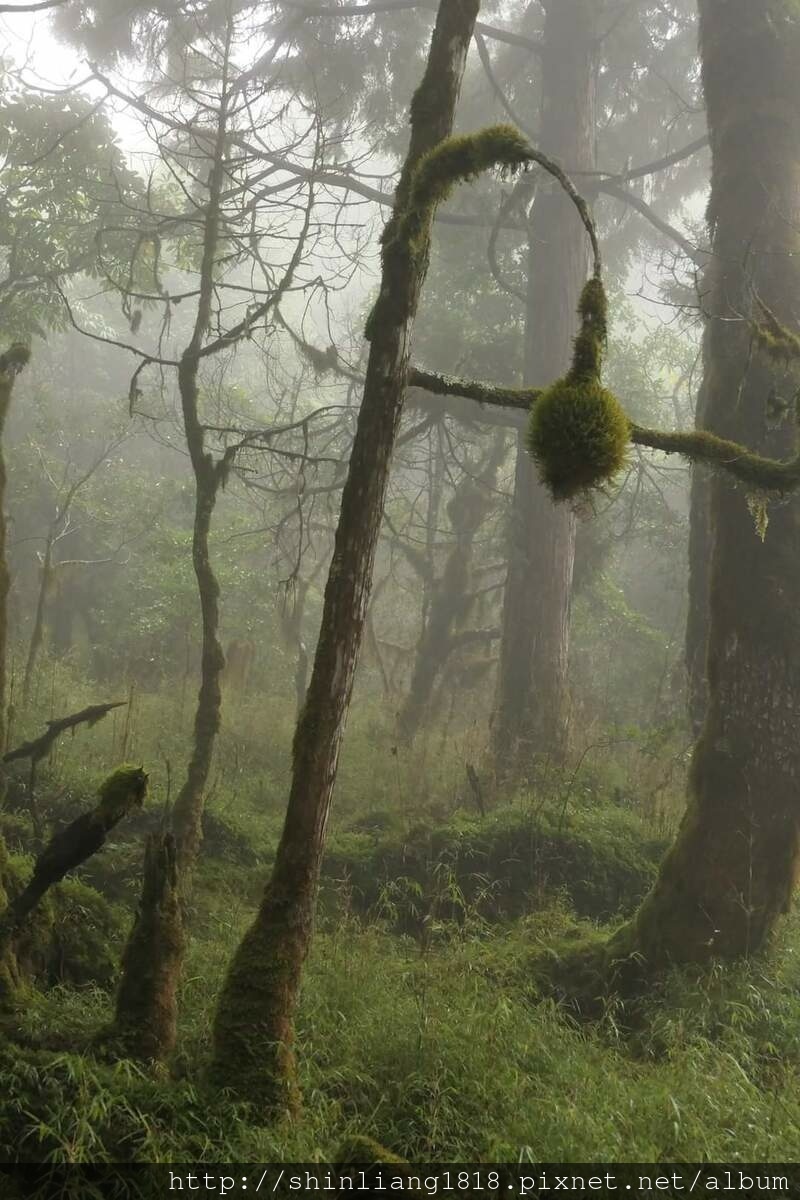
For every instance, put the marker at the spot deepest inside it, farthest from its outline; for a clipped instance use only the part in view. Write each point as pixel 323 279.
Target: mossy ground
pixel 441 1044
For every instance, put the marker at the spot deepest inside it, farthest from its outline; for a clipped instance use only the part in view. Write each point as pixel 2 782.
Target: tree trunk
pixel 11 363
pixel 450 600
pixel 147 1006
pixel 187 815
pixel 37 633
pixel 253 1032
pixel 531 716
pixel 731 871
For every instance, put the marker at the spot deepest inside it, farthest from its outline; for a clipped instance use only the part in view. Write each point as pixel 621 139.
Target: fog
pixel 398 415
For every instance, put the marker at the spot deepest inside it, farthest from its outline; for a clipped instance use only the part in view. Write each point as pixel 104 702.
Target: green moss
pixel 590 343
pixel 406 238
pixel 578 436
pixel 774 339
pixel 120 791
pixel 456 160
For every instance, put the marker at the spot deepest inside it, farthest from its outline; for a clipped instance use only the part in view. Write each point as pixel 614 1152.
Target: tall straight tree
pixel 732 868
pixel 253 1031
pixel 531 715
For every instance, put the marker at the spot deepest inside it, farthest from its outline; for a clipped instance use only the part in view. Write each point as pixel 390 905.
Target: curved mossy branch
pixel 460 159
pixel 455 160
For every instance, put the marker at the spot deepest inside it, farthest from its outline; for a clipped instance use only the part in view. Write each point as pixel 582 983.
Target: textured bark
pixel 732 868
pixel 147 1005
pixel 187 815
pixel 699 585
pixel 253 1032
pixel 531 715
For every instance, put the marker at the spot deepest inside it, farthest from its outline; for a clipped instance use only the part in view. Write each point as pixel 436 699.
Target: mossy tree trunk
pixel 187 815
pixel 450 600
pixel 732 868
pixel 531 716
pixel 209 474
pixel 122 791
pixel 253 1032
pixel 147 1005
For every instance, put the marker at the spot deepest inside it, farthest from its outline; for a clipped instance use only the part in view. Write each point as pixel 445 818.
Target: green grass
pixel 436 1045
pixel 442 1055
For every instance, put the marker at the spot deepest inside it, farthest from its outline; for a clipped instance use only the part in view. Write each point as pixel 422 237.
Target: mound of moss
pixel 501 866
pixel 73 936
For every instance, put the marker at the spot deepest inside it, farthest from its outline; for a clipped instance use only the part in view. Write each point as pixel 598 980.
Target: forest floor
pixel 421 1024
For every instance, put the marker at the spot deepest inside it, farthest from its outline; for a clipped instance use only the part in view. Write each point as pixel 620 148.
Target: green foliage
pixel 498 867
pixel 441 1056
pixel 54 217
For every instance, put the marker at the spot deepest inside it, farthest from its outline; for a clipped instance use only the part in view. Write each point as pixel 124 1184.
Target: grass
pixel 436 1045
pixel 443 1055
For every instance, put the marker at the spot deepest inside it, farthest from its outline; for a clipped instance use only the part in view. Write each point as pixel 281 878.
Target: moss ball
pixel 578 437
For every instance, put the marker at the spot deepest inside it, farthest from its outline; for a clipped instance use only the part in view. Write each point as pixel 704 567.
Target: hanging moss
pixel 578 433
pixel 590 343
pixel 578 437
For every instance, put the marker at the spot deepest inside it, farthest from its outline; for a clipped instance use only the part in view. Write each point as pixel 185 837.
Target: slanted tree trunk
pixel 11 363
pixel 450 600
pixel 253 1030
pixel 123 790
pixel 531 715
pixel 732 868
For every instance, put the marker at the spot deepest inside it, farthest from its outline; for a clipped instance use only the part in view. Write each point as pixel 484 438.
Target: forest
pixel 399 636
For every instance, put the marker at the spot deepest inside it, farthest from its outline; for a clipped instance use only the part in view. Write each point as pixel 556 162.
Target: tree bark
pixel 531 716
pixel 147 1005
pixel 253 1031
pixel 11 363
pixel 187 814
pixel 732 868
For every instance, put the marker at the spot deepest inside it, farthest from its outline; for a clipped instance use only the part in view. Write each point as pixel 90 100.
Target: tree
pixel 730 872
pixel 253 1030
pixel 732 869
pixel 531 716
